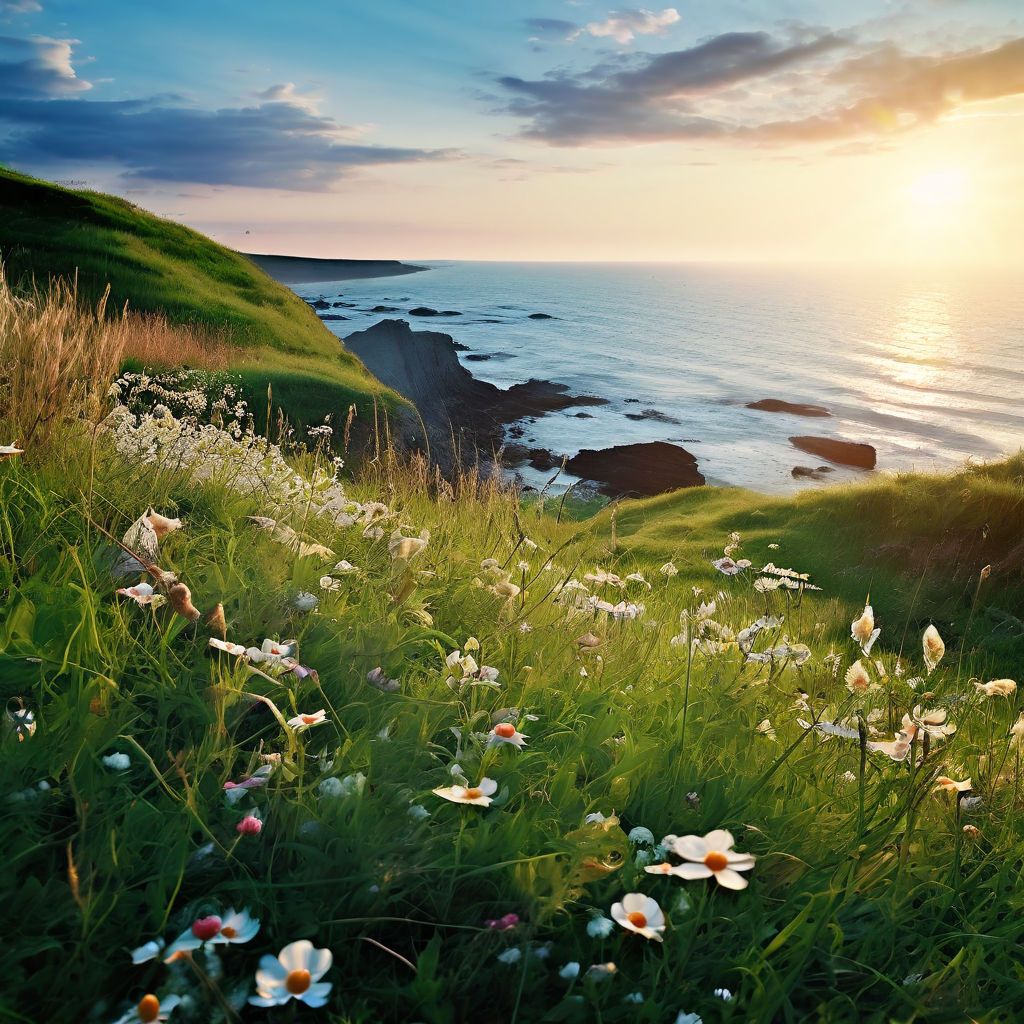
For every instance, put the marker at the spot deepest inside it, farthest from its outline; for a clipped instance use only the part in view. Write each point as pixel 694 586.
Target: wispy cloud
pixel 756 87
pixel 20 6
pixel 623 26
pixel 280 141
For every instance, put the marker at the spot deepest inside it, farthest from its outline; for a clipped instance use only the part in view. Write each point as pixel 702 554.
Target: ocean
pixel 926 366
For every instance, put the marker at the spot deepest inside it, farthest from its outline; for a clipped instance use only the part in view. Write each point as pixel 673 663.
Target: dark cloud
pixel 281 141
pixel 753 86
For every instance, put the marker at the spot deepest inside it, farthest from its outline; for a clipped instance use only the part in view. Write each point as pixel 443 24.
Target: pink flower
pixel 503 924
pixel 250 825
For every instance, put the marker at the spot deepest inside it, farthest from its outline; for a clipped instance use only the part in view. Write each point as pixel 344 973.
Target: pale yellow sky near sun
pixel 949 193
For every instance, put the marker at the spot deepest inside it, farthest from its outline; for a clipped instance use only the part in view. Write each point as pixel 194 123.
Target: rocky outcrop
pixel 652 414
pixel 637 470
pixel 424 367
pixel 427 311
pixel 843 453
pixel 811 472
pixel 794 408
pixel 320 304
pixel 309 269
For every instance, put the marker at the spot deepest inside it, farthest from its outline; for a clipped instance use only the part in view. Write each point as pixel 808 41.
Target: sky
pixel 876 131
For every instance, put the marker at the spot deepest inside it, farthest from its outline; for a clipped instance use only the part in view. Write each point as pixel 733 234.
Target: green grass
pixel 155 265
pixel 868 902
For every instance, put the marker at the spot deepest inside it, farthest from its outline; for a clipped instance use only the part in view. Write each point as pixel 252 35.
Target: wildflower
pixel 641 836
pixel 234 791
pixel 728 567
pixel 600 927
pixel 641 914
pixel 147 951
pixel 304 601
pixel 601 972
pixel 162 525
pixel 689 1018
pixel 329 583
pixel 506 733
pixel 848 776
pixel 343 567
pixel 479 795
pixel 633 997
pixel 765 728
pixel 571 971
pixel 300 723
pixel 271 652
pixel 952 786
pixel 229 648
pixel 1017 732
pixel 933 648
pixel 830 729
pixel 708 856
pixel 693 799
pixel 143 594
pixel 504 923
pixel 857 679
pixel 118 762
pixel 418 812
pixel 149 1010
pixel 377 679
pixel 250 825
pixel 510 956
pixel 8 451
pixel 594 818
pixel 863 630
pixel 996 688
pixel 669 570
pixel 294 973
pixel 972 831
pixel 932 722
pixel 405 549
pixel 724 994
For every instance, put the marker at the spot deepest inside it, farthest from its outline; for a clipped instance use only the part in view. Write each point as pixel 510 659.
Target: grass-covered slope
pixel 157 266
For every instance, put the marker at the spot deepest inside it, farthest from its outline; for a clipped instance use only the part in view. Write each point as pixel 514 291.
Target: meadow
pixel 285 741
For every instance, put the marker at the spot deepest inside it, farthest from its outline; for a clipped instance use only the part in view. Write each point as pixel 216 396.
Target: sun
pixel 943 188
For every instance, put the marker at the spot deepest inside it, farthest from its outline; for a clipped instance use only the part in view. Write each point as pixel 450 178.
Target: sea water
pixel 926 366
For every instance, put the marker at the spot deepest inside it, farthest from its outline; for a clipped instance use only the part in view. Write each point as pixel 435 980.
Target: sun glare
pixel 939 188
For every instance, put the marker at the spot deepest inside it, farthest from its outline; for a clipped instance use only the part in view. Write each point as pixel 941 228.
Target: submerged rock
pixel 811 472
pixel 542 316
pixel 843 453
pixel 332 316
pixel 652 414
pixel 795 408
pixel 320 304
pixel 637 470
pixel 427 311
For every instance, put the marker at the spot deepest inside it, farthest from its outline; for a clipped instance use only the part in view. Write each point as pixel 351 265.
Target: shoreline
pixel 293 270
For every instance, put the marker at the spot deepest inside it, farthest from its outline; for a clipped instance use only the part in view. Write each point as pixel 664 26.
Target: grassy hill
pixel 156 266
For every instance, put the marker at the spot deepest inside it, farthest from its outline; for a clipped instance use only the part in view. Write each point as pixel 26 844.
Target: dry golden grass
pixel 153 341
pixel 56 357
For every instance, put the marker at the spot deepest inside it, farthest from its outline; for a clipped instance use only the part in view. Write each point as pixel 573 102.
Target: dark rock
pixel 384 309
pixel 427 311
pixel 424 367
pixel 843 453
pixel 542 316
pixel 639 470
pixel 633 401
pixel 320 304
pixel 459 347
pixel 652 414
pixel 811 473
pixel 795 408
pixel 483 357
pixel 583 415
pixel 332 316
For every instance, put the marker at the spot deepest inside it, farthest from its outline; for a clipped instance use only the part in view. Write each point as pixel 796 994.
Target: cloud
pixel 20 6
pixel 38 67
pixel 550 28
pixel 281 141
pixel 753 87
pixel 623 26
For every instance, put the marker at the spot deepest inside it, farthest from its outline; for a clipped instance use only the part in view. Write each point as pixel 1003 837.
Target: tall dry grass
pixel 56 357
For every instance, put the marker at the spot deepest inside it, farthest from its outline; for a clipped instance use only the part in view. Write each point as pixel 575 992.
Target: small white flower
pixel 147 951
pixel 510 956
pixel 294 973
pixel 418 812
pixel 304 601
pixel 633 997
pixel 641 914
pixel 229 648
pixel 570 971
pixel 641 836
pixel 689 1018
pixel 118 762
pixel 724 994
pixel 300 723
pixel 600 927
pixel 506 734
pixel 150 1009
pixel 479 795
pixel 710 856
pixel 669 569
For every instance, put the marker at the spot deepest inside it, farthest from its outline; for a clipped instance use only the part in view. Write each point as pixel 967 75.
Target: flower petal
pixel 730 879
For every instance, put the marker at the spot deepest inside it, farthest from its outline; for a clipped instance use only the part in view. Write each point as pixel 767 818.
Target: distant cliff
pixel 309 270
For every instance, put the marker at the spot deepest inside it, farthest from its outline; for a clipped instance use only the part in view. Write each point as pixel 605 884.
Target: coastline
pixel 292 270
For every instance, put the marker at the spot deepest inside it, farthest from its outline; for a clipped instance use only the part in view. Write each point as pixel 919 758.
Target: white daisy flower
pixel 479 795
pixel 710 856
pixel 294 973
pixel 641 914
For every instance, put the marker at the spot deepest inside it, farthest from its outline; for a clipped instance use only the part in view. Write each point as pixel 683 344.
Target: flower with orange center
pixel 863 630
pixel 294 973
pixel 505 733
pixel 149 1010
pixel 300 723
pixel 952 786
pixel 933 648
pixel 710 856
pixel 479 795
pixel 639 913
